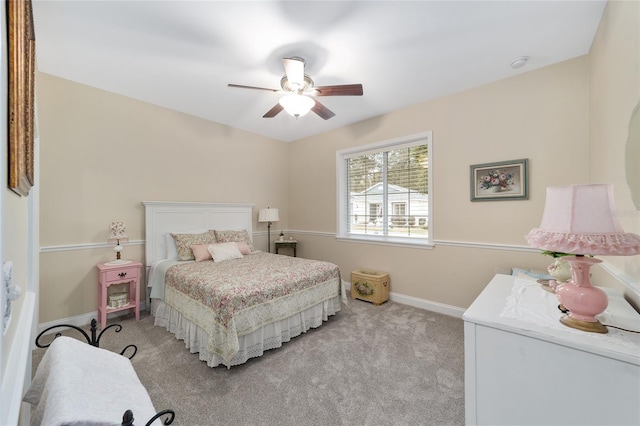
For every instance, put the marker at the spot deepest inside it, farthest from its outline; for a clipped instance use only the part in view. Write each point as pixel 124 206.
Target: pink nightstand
pixel 109 275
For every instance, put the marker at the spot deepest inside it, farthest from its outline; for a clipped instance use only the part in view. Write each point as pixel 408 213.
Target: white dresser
pixel 522 367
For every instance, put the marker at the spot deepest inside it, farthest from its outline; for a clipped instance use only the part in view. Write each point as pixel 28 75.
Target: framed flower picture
pixel 504 180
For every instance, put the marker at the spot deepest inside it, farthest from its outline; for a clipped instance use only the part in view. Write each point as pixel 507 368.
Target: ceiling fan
pixel 300 91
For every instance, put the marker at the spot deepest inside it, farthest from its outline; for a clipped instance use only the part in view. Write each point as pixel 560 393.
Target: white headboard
pixel 162 217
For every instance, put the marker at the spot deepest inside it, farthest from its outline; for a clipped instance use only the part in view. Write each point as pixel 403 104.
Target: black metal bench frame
pixel 94 340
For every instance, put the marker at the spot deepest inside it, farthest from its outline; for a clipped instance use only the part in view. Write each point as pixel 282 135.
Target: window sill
pixel 387 241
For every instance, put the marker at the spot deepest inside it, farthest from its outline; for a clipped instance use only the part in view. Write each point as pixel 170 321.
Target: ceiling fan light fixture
pixel 297 105
pixel 298 89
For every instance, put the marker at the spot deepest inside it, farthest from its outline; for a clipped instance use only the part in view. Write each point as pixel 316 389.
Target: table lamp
pixel 268 215
pixel 581 220
pixel 117 234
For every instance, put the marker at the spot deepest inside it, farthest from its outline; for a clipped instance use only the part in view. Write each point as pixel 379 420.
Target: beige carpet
pixel 368 365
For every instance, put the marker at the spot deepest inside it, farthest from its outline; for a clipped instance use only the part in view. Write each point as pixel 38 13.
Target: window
pixel 399 209
pixel 384 191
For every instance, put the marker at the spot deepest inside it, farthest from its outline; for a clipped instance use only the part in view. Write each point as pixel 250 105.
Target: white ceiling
pixel 181 54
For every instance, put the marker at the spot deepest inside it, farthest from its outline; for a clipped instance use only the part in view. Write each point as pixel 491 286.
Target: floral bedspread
pixel 232 298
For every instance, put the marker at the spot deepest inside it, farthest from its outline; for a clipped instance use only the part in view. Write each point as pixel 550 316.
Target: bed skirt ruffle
pixel 252 345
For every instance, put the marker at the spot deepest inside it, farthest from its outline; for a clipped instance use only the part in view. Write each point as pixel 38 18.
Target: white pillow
pixel 172 251
pixel 224 251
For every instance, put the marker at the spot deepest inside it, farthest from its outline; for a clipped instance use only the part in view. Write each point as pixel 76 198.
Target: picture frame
pixel 21 67
pixel 502 180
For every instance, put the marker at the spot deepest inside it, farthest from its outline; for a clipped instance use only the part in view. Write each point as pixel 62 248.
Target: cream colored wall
pixel 614 92
pixel 570 120
pixel 103 154
pixel 540 115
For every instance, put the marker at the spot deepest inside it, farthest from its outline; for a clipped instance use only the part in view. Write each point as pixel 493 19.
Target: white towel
pixel 79 384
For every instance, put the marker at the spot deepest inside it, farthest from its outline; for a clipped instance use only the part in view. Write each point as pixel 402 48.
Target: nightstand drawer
pixel 122 274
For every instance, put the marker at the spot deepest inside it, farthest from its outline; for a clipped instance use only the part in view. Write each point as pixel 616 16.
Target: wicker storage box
pixel 372 286
pixel 118 300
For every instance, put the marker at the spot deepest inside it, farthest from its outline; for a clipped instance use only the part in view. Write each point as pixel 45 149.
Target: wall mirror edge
pixel 632 156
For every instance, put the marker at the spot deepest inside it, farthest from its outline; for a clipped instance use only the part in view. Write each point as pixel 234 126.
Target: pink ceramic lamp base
pixel 583 300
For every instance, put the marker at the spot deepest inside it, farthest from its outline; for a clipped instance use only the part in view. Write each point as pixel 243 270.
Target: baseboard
pixel 82 320
pixel 427 305
pixel 441 308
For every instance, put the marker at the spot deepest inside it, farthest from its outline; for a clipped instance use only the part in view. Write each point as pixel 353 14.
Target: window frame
pixel 342 201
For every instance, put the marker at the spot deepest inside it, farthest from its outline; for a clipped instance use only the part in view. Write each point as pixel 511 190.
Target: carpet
pixel 368 365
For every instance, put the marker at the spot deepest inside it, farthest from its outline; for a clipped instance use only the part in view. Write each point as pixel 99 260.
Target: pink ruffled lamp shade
pixel 582 220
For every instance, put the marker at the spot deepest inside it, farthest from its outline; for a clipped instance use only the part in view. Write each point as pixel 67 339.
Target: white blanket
pixel 79 384
pixel 157 277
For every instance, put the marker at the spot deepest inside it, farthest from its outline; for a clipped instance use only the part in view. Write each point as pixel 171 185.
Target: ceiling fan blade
pixel 342 90
pixel 273 111
pixel 294 68
pixel 252 87
pixel 322 111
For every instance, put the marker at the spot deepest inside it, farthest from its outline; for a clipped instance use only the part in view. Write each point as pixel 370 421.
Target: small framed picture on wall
pixel 503 180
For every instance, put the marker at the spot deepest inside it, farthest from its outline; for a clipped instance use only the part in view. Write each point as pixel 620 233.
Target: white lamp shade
pixel 268 215
pixel 297 105
pixel 117 232
pixel 582 219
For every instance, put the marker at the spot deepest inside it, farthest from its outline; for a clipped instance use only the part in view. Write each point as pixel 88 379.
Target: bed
pixel 229 311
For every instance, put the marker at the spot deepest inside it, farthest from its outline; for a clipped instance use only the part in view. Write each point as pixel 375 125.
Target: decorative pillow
pixel 185 241
pixel 224 251
pixel 234 236
pixel 243 247
pixel 201 252
pixel 170 243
